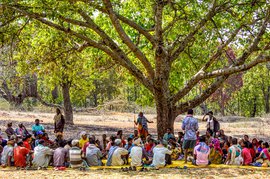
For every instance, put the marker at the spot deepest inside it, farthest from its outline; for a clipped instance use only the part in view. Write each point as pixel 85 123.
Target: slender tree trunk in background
pixel 55 94
pixel 254 107
pixel 68 111
pixel 266 98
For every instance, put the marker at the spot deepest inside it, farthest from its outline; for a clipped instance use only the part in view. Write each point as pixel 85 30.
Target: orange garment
pixel 27 145
pixel 20 156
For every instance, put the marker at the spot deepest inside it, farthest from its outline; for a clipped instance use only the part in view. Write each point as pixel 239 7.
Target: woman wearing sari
pixel 264 155
pixel 215 156
pixel 142 125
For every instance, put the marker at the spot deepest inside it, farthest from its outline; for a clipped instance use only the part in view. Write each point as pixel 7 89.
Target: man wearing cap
pixel 116 153
pixel 42 155
pixel 37 127
pixel 136 153
pixel 190 126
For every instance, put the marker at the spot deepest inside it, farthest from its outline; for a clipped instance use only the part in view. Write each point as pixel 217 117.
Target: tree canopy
pixel 172 47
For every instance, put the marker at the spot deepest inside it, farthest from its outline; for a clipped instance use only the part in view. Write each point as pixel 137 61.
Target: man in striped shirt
pixel 75 155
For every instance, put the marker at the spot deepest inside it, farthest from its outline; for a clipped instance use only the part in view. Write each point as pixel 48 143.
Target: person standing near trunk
pixel 212 123
pixel 59 121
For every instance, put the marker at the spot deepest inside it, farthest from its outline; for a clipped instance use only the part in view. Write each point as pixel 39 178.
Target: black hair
pixel 246 144
pixel 266 144
pixel 36 119
pixel 130 139
pixel 169 129
pixel 190 111
pixel 20 143
pixel 246 135
pixel 202 139
pixel 210 112
pixel 250 145
pixel 260 142
pixel 234 141
pixel 62 143
pixel 92 141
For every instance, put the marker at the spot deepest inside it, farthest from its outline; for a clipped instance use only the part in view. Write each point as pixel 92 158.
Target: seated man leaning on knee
pixel 116 154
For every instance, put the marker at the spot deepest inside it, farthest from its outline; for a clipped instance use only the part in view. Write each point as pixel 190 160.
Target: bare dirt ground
pixel 110 122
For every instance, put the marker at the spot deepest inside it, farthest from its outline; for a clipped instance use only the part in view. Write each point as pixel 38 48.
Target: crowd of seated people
pixel 35 150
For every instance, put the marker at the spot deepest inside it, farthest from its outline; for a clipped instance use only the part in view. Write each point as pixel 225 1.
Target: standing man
pixel 142 125
pixel 190 126
pixel 59 121
pixel 212 123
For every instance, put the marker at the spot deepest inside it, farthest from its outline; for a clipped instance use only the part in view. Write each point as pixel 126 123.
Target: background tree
pixel 156 40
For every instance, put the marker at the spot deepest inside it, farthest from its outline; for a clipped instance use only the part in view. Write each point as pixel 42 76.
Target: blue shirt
pixel 36 128
pixel 190 125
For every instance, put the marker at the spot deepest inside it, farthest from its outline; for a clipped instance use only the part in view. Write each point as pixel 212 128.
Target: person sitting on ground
pixel 110 143
pixel 129 145
pixel 21 131
pixel 83 140
pixel 160 152
pixel 120 136
pixel 264 155
pixel 222 136
pixel 255 144
pixel 252 151
pixel 259 149
pixel 208 137
pixel 234 156
pixel 20 154
pixel 180 138
pixel 135 134
pixel 60 156
pixel 93 154
pixel 136 153
pixel 104 142
pixel 75 155
pixel 168 135
pixel 225 150
pixel 247 158
pixel 201 153
pixel 27 141
pixel 59 121
pixel 116 154
pixel 68 144
pixel 176 151
pixel 48 142
pixel 37 127
pixel 42 155
pixel 190 126
pixel 7 154
pixel 212 123
pixel 216 154
pixel 148 150
pixel 59 139
pixel 9 131
pixel 39 136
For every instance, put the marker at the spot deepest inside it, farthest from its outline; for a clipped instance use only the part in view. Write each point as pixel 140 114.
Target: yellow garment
pixel 82 142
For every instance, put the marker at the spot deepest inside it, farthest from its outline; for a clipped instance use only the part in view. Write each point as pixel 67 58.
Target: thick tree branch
pixel 127 21
pixel 116 53
pixel 125 38
pixel 190 37
pixel 196 78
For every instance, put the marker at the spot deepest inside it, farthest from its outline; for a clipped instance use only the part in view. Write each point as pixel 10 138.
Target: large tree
pixel 161 42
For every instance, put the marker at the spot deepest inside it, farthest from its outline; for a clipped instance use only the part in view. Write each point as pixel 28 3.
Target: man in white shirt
pixel 159 155
pixel 118 153
pixel 136 153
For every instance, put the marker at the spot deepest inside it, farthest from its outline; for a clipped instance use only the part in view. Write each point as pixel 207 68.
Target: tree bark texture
pixel 68 111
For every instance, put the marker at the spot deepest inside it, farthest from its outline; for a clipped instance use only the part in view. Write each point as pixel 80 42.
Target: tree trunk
pixel 68 111
pixel 266 98
pixel 166 115
pixel 254 107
